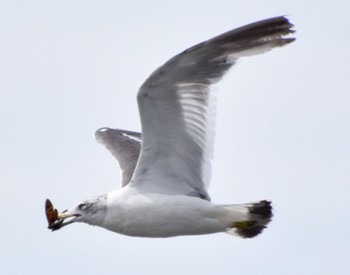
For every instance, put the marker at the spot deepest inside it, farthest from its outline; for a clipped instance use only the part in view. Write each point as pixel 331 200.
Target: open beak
pixel 63 219
pixel 57 221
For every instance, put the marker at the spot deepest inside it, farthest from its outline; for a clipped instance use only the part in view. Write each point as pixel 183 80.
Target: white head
pixel 91 211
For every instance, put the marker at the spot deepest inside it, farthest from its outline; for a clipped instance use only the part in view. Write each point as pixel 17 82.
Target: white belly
pixel 158 215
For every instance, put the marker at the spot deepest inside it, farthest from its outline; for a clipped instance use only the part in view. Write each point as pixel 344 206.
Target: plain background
pixel 68 68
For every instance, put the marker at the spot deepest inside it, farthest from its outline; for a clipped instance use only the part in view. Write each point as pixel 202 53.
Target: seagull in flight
pixel 166 169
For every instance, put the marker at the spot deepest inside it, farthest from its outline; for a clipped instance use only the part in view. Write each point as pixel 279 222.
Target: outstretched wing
pixel 177 108
pixel 125 147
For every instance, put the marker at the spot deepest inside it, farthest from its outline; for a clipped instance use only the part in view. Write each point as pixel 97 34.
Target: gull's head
pixel 91 211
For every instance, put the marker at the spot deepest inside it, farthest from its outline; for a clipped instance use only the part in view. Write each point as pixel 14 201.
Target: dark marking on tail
pixel 262 208
pixel 260 216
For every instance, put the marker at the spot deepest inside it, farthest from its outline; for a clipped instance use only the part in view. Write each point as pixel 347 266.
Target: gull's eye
pixel 81 206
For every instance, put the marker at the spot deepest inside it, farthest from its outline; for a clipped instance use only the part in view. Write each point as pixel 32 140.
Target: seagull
pixel 166 169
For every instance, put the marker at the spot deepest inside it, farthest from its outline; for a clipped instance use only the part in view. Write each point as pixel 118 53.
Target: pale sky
pixel 68 68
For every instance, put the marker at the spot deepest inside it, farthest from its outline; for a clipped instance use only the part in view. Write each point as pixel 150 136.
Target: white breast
pixel 158 215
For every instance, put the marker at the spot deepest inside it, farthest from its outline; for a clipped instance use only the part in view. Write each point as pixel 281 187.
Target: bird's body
pixel 166 169
pixel 157 215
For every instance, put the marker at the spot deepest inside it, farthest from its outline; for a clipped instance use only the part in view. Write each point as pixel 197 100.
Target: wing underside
pixel 177 105
pixel 125 147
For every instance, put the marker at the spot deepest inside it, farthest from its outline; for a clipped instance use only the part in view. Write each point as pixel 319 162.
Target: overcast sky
pixel 68 68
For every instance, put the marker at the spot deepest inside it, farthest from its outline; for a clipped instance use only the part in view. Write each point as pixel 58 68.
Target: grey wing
pixel 177 108
pixel 125 147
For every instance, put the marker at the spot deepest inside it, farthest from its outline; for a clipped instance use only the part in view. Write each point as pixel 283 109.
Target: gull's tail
pixel 256 217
